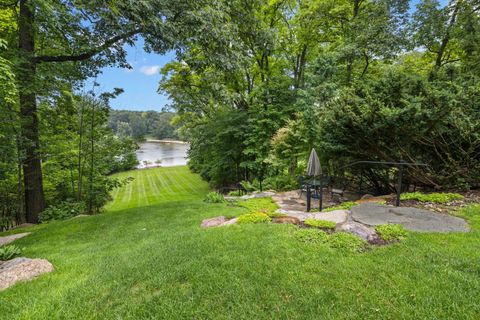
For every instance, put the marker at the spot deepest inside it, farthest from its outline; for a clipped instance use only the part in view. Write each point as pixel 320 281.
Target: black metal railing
pixel 400 165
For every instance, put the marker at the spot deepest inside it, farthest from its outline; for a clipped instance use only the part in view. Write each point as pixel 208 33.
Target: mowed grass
pixel 147 258
pixel 157 185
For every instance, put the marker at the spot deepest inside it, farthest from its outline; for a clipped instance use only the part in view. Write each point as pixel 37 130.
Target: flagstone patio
pixel 368 214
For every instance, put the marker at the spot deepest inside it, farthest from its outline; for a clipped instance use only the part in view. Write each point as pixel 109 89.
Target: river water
pixel 161 153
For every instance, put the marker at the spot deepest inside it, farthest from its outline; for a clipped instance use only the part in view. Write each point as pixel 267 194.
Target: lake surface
pixel 169 153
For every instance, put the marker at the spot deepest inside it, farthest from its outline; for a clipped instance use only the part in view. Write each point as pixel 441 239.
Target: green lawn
pixel 147 258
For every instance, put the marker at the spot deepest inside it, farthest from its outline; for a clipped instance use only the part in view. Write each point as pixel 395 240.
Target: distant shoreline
pixel 166 141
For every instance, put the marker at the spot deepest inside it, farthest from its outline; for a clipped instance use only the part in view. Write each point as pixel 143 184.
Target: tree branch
pixel 9 5
pixel 90 53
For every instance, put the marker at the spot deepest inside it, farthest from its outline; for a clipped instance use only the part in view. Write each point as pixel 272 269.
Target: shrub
pixel 431 197
pixel 346 241
pixel 281 183
pixel 235 193
pixel 253 218
pixel 311 236
pixel 9 252
pixel 63 210
pixel 391 232
pixel 342 206
pixel 214 197
pixel 322 224
pixel 250 186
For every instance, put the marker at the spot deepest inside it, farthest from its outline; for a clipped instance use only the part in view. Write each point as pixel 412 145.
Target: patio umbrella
pixel 314 169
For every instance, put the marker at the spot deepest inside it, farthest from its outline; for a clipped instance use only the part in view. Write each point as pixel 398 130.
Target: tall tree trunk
pixel 20 211
pixel 92 150
pixel 446 38
pixel 32 167
pixel 80 148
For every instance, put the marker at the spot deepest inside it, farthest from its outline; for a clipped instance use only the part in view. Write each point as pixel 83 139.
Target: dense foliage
pixel 357 80
pixel 79 152
pixel 48 49
pixel 214 197
pixel 139 125
pixel 256 84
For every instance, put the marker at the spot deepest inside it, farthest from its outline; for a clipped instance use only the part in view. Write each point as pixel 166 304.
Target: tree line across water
pixel 139 125
pixel 256 84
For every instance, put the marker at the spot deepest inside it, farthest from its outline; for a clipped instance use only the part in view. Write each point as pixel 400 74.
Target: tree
pixel 83 36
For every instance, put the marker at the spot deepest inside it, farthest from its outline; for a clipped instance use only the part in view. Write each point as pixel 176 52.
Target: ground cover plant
pixel 313 236
pixel 322 224
pixel 147 257
pixel 431 197
pixel 391 232
pixel 341 241
pixel 263 205
pixel 257 217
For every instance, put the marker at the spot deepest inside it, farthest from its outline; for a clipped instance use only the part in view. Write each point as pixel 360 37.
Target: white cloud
pixel 150 70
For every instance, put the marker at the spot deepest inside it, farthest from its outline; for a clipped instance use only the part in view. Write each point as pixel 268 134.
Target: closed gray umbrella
pixel 314 169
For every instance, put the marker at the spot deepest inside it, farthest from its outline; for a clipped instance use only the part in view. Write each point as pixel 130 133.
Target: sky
pixel 141 83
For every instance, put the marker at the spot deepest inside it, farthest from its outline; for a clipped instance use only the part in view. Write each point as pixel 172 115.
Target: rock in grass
pixel 21 269
pixel 230 222
pixel 286 219
pixel 213 222
pixel 357 229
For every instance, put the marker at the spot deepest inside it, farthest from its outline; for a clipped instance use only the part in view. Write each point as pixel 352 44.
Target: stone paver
pixel 7 239
pixel 411 218
pixel 337 216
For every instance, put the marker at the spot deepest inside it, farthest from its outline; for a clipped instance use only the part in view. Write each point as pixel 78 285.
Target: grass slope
pixel 147 258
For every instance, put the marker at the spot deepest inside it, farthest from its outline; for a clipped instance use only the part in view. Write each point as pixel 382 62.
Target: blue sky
pixel 141 83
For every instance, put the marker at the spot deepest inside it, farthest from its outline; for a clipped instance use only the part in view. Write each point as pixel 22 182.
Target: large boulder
pixel 21 269
pixel 337 216
pixel 413 219
pixel 357 229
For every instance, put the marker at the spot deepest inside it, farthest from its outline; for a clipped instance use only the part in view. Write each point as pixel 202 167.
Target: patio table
pixel 317 184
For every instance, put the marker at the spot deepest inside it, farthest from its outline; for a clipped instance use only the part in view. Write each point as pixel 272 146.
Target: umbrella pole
pixel 321 197
pixel 308 198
